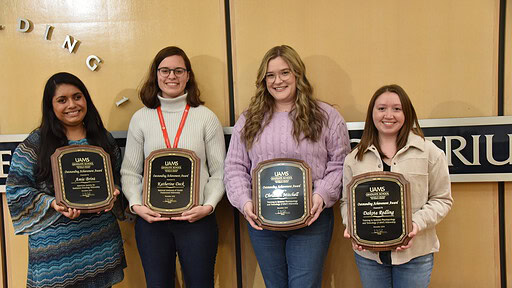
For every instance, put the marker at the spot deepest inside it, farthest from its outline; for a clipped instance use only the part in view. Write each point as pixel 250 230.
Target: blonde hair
pixel 307 116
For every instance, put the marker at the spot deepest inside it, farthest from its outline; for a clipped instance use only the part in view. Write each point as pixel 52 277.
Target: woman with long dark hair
pixel 284 120
pixel 171 96
pixel 66 248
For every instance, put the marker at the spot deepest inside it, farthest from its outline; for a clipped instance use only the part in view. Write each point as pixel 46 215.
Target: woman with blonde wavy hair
pixel 284 120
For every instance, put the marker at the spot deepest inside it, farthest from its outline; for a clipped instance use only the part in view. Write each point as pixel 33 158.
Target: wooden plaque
pixel 379 210
pixel 171 181
pixel 82 176
pixel 282 194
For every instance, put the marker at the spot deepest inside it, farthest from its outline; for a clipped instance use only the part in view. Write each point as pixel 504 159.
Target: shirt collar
pixel 413 140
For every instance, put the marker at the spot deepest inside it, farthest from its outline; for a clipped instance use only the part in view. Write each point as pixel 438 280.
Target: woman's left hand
pixel 318 207
pixel 411 236
pixel 195 213
pixel 116 193
pixel 68 212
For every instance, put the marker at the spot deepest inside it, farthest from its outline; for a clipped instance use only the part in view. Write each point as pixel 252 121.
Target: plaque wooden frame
pixel 62 193
pixel 306 182
pixel 193 198
pixel 405 211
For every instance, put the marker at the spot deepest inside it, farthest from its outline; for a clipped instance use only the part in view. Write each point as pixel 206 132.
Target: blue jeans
pixel 413 274
pixel 294 258
pixel 195 243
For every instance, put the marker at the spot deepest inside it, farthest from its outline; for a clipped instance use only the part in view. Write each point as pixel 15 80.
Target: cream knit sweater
pixel 202 133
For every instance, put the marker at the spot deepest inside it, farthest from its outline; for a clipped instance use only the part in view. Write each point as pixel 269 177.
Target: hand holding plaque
pixel 379 210
pixel 82 176
pixel 171 181
pixel 282 194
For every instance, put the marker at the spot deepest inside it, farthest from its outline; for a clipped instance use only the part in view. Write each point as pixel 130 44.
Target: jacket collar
pixel 413 140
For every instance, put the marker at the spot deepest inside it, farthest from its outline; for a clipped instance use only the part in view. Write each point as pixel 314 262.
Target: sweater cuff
pixel 135 200
pixel 419 222
pixel 243 200
pixel 211 204
pixel 325 197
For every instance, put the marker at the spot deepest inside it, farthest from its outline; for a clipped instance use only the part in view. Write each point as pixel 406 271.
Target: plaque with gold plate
pixel 171 181
pixel 82 177
pixel 282 194
pixel 379 210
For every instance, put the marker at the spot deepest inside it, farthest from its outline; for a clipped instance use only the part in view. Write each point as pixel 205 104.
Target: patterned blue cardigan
pixel 82 252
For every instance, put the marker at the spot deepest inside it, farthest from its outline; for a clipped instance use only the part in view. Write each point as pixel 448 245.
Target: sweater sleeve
pixel 133 163
pixel 347 177
pixel 237 176
pixel 439 193
pixel 338 146
pixel 29 205
pixel 215 154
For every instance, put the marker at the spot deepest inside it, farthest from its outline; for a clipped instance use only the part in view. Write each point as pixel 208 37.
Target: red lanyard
pixel 178 133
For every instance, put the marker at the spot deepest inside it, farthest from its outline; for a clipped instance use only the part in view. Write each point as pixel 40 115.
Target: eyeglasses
pixel 283 75
pixel 165 72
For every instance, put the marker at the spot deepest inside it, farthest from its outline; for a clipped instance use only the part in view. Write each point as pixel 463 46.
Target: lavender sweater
pixel 325 157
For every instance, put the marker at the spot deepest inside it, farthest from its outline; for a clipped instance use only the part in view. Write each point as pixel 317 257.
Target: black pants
pixel 196 246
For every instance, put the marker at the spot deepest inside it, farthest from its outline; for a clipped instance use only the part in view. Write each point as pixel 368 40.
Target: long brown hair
pixel 307 116
pixel 370 132
pixel 149 91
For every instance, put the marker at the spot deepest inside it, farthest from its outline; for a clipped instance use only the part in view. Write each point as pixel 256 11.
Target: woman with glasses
pixel 393 141
pixel 66 248
pixel 284 120
pixel 174 110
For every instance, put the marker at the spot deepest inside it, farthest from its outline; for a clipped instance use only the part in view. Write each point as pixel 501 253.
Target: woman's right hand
pixel 70 213
pixel 250 216
pixel 147 214
pixel 354 245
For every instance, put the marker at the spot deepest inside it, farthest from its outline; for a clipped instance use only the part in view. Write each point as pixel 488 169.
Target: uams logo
pixel 70 43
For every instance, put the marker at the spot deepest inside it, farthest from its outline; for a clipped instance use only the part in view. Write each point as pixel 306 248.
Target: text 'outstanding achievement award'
pixel 282 194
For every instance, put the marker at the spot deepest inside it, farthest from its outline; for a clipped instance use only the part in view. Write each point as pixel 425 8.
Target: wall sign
pixel 477 149
pixel 70 43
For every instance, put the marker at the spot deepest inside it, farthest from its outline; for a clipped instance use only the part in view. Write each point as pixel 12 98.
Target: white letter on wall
pixel 456 151
pixel 67 43
pixel 47 32
pixel 490 157
pixel 23 25
pixel 89 60
pixel 3 163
